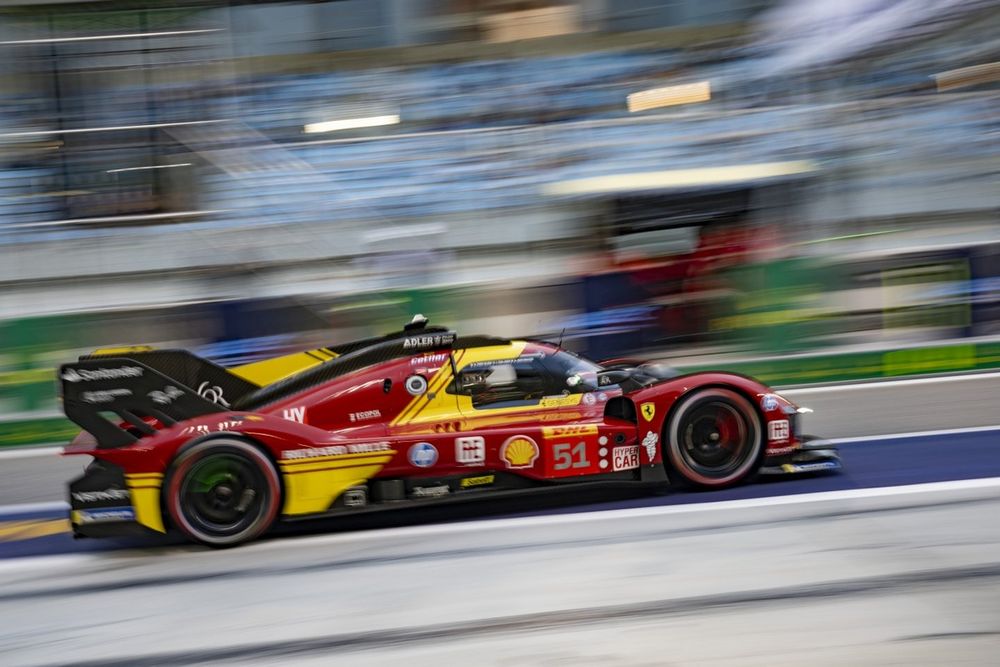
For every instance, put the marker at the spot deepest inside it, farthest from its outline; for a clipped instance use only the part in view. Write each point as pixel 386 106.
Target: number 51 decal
pixel 570 459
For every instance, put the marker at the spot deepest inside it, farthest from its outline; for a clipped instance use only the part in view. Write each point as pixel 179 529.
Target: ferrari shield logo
pixel 648 410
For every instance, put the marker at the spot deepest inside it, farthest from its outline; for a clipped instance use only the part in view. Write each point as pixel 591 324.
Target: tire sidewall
pixel 182 465
pixel 672 440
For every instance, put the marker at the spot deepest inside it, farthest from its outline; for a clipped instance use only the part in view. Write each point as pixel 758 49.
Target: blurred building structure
pixel 840 184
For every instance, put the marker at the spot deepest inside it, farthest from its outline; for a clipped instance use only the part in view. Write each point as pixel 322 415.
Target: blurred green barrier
pixel 37 431
pixel 776 306
pixel 824 368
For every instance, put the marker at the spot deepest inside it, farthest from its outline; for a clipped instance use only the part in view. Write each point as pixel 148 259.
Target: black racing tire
pixel 223 492
pixel 714 439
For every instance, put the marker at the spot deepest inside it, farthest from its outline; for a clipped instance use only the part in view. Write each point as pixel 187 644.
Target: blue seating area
pixel 435 175
pixel 462 95
pixel 488 135
pixel 25 195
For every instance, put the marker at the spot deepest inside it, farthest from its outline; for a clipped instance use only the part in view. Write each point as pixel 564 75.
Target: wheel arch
pixel 170 468
pixel 733 387
pixel 742 391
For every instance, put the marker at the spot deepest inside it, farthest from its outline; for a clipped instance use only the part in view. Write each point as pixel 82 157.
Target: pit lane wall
pixel 826 367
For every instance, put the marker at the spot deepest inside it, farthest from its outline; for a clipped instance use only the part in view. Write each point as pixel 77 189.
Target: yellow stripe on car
pixel 145 490
pixel 270 371
pixel 311 485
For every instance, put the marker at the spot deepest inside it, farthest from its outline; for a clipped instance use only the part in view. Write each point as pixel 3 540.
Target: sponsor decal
pixel 625 458
pixel 429 359
pixel 810 467
pixel 86 375
pixel 337 450
pixel 253 418
pixel 416 385
pixel 363 415
pixel 557 416
pixel 589 399
pixel 516 361
pixel 105 514
pixel 779 451
pixel 559 401
pixel 470 450
pixel 568 431
pixel 519 451
pixel 648 410
pixel 165 397
pixel 564 458
pixel 104 396
pixel 481 480
pixel 205 429
pixel 98 496
pixel 212 393
pixel 429 340
pixel 423 455
pixel 650 442
pixel 435 491
pixel 601 396
pixel 356 497
pixel 297 414
pixel 777 431
pixel 769 402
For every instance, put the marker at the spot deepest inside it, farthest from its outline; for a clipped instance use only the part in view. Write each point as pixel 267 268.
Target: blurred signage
pixel 531 23
pixel 654 98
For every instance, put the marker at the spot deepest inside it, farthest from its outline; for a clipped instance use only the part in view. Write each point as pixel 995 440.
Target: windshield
pixel 566 365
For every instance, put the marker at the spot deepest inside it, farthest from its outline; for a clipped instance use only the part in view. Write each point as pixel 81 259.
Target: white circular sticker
pixel 416 385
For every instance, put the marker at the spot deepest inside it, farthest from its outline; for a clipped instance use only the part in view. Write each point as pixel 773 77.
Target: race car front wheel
pixel 223 492
pixel 714 438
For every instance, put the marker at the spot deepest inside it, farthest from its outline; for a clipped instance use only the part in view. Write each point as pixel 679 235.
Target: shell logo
pixel 519 451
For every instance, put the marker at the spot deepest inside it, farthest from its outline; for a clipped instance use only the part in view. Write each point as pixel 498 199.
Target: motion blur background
pixel 807 191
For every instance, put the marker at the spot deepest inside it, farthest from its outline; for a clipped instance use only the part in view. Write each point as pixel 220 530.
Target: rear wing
pixel 114 397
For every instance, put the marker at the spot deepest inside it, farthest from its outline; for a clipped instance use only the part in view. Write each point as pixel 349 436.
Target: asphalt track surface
pixel 894 561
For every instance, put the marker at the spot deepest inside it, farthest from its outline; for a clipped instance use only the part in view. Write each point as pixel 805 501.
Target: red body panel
pixel 438 433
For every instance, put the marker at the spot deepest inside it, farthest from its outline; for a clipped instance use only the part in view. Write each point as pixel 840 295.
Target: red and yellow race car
pixel 420 416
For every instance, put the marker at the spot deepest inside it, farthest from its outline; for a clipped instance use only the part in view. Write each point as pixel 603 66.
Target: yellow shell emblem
pixel 648 410
pixel 519 451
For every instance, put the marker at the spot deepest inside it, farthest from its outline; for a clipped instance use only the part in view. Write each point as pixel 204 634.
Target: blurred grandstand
pixel 211 172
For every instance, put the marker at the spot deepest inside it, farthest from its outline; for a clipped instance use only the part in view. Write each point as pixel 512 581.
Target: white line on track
pixel 496 525
pixel 914 434
pixel 31 508
pixel 30 452
pixel 48 562
pixel 881 384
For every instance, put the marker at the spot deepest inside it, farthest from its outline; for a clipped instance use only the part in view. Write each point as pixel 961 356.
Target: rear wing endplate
pixel 113 398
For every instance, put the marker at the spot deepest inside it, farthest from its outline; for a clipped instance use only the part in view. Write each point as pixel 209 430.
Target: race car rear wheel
pixel 223 492
pixel 714 439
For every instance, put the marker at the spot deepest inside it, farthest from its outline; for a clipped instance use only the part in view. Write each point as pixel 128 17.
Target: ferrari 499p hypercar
pixel 417 417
